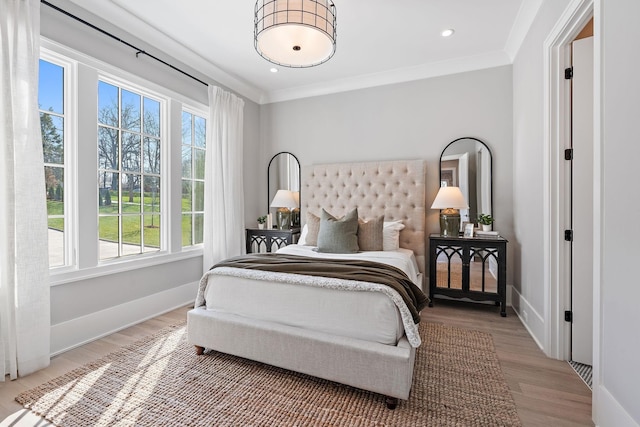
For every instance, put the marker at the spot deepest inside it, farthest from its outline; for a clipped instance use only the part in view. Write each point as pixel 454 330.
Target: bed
pixel 361 336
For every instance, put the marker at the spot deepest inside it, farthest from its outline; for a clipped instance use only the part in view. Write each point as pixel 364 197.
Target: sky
pixel 51 90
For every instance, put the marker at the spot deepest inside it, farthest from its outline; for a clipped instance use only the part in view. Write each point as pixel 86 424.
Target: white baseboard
pixel 609 412
pixel 530 318
pixel 81 330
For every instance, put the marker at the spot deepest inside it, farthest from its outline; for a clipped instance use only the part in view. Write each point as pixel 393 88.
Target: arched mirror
pixel 283 173
pixel 466 163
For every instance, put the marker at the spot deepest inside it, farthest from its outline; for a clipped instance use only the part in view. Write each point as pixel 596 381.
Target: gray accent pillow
pixel 370 234
pixel 338 235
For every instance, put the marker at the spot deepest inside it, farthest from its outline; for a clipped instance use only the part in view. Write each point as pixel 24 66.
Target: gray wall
pixel 619 151
pixel 90 295
pixel 616 293
pixel 529 161
pixel 413 120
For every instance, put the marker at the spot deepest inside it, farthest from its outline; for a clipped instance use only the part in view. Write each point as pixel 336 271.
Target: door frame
pixel 557 124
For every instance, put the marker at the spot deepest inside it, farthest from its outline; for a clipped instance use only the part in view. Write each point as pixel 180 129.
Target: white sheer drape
pixel 224 189
pixel 24 269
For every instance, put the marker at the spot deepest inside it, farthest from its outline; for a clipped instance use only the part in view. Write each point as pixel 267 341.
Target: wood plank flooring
pixel 547 392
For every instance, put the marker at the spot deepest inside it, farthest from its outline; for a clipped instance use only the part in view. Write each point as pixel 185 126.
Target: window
pixel 129 172
pixel 51 91
pixel 194 136
pixel 111 190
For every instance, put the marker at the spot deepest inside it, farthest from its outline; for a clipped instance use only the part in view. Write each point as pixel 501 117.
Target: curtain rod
pixel 108 34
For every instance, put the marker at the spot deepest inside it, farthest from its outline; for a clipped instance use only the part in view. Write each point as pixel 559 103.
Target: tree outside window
pixel 129 172
pixel 52 123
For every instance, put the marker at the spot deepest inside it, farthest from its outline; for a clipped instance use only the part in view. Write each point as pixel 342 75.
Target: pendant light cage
pixel 295 33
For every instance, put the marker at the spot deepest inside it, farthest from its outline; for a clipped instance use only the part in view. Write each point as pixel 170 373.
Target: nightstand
pixel 473 268
pixel 264 240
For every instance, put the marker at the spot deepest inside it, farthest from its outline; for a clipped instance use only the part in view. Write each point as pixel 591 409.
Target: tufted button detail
pixel 393 189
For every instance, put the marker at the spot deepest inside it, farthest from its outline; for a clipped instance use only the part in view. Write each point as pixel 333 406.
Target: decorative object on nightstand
pixel 449 200
pixel 284 201
pixel 486 221
pixel 269 240
pixel 261 221
pixel 295 212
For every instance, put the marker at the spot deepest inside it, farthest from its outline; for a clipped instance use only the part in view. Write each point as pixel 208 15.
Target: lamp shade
pixel 449 198
pixel 295 33
pixel 284 199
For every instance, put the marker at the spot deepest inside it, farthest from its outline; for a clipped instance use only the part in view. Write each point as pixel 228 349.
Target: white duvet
pixel 353 309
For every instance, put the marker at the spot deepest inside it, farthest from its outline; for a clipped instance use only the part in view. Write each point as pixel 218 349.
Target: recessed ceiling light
pixel 448 33
pixel 273 70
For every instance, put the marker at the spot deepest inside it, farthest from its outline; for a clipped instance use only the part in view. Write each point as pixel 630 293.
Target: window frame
pixel 87 70
pixel 70 192
pixel 143 92
pixel 203 115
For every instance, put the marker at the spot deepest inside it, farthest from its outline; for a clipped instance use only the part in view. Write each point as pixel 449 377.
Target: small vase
pixel 261 226
pixel 486 227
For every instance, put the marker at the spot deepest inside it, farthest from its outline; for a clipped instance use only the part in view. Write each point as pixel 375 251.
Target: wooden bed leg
pixel 199 350
pixel 391 402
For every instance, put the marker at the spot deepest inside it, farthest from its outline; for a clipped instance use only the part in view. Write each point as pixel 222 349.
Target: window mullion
pixel 120 176
pixel 193 177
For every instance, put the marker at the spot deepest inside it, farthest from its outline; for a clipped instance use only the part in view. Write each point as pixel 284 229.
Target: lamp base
pixel 295 217
pixel 450 222
pixel 283 218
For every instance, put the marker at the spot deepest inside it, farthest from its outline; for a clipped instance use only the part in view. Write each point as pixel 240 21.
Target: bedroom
pixel 502 105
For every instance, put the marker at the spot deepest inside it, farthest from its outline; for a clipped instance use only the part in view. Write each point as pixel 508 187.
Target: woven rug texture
pixel 159 381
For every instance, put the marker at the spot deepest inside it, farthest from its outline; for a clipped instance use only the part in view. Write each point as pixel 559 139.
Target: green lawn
pixel 108 221
pixel 55 208
pixel 131 229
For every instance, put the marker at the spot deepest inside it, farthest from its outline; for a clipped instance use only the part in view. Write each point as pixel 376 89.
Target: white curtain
pixel 24 269
pixel 224 189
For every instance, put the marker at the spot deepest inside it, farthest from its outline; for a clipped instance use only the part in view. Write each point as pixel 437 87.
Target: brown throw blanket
pixel 358 270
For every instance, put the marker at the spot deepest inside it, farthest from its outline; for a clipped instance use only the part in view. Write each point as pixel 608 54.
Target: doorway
pixel 557 179
pixel 581 188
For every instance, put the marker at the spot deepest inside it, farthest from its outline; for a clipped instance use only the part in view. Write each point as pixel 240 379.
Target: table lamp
pixel 449 200
pixel 284 201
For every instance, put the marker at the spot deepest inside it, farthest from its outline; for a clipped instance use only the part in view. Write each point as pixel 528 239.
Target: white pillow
pixel 302 240
pixel 391 235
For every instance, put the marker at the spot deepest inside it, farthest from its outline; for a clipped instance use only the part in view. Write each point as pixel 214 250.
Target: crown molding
pixel 110 11
pixel 425 71
pixel 527 13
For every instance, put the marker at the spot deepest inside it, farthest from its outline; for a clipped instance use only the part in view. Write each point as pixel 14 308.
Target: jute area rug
pixel 159 381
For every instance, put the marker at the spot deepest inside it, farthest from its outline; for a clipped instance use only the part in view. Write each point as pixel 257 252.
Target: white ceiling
pixel 378 42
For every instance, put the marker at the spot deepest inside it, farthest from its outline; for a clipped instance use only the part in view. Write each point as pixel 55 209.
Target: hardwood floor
pixel 547 392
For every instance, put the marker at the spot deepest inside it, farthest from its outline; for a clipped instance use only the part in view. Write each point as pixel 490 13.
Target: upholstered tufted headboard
pixel 393 188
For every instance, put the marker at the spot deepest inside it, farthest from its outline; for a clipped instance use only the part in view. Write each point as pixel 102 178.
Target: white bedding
pixel 355 313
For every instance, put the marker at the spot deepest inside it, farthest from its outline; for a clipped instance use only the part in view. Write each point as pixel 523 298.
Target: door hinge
pixel 568 154
pixel 568 316
pixel 568 73
pixel 568 235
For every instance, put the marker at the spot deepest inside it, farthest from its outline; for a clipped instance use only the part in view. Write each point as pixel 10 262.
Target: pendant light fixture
pixel 295 33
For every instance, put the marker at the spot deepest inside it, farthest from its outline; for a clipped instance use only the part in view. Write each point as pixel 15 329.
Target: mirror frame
pixel 475 220
pixel 269 196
